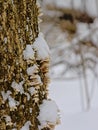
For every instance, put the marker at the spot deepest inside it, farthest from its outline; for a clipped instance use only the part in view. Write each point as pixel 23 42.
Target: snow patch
pixel 48 113
pixel 18 87
pixel 7 119
pixel 5 95
pixel 41 47
pixel 26 126
pixel 28 53
pixel 12 103
pixel 32 90
pixel 31 70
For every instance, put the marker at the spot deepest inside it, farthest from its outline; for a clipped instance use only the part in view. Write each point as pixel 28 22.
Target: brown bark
pixel 19 27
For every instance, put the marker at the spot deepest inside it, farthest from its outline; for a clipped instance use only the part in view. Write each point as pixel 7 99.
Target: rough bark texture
pixel 19 27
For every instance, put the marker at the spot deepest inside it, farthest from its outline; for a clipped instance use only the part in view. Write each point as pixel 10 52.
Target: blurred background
pixel 71 31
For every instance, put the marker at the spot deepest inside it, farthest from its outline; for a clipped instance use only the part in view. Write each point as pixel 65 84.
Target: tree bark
pixel 19 28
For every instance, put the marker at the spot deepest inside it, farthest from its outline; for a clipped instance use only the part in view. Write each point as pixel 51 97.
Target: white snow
pixel 88 6
pixel 31 70
pixel 63 3
pixel 69 98
pixel 80 121
pixel 5 95
pixel 31 90
pixel 28 53
pixel 77 4
pixel 26 126
pixel 12 103
pixel 94 36
pixel 7 119
pixel 41 47
pixel 92 7
pixel 82 27
pixel 95 24
pixel 18 87
pixel 48 113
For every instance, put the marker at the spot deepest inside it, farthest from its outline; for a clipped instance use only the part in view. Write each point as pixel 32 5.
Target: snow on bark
pixel 48 115
pixel 26 126
pixel 7 119
pixel 32 90
pixel 18 86
pixel 41 47
pixel 31 70
pixel 28 53
pixel 5 95
pixel 12 103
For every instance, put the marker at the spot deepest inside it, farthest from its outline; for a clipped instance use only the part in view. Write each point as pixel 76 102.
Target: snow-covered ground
pixel 80 121
pixel 69 99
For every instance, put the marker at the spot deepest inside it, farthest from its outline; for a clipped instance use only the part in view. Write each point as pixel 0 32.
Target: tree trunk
pixel 23 77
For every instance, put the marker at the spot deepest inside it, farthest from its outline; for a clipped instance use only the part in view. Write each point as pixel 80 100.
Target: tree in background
pixel 24 66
